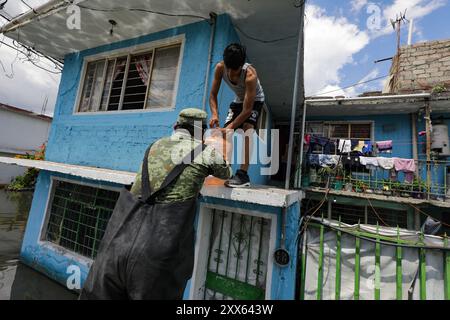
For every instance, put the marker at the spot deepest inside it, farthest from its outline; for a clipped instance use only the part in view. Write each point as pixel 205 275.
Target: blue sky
pixel 351 46
pixel 340 48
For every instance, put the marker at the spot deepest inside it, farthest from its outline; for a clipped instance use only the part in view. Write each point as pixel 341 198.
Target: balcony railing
pixel 428 181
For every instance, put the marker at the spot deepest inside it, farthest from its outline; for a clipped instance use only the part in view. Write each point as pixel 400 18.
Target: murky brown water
pixel 17 281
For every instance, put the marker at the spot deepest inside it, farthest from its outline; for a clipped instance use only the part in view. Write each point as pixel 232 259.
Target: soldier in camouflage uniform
pixel 168 151
pixel 148 248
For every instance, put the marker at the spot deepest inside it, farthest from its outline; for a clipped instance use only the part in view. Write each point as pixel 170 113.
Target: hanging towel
pixel 384 146
pixel 314 159
pixel 307 139
pixel 359 147
pixel 354 143
pixel 345 146
pixel 326 160
pixel 369 161
pixel 405 165
pixel 325 143
pixel 385 163
pixel 368 148
pixel 408 166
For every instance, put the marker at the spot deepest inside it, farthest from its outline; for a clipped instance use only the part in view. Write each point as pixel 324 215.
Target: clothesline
pixel 407 166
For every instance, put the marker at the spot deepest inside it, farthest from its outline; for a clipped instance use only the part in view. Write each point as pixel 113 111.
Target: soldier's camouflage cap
pixel 192 116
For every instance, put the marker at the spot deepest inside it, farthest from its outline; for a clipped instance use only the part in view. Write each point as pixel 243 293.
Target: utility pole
pixel 428 145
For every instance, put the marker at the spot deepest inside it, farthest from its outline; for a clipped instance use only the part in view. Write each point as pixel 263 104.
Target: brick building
pixel 421 67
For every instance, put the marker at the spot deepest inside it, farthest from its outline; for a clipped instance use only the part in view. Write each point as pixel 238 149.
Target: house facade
pixel 121 92
pixel 377 166
pixel 21 132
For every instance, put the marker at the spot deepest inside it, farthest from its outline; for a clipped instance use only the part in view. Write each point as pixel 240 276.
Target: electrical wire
pixel 349 86
pixel 264 40
pixel 376 213
pixel 26 54
pixel 426 214
pixel 191 16
pixel 117 9
pixel 30 7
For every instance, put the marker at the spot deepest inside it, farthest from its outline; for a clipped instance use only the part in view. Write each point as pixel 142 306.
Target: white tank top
pixel 239 88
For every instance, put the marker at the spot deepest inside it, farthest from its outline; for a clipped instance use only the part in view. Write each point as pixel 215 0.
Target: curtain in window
pixel 143 67
pixel 163 77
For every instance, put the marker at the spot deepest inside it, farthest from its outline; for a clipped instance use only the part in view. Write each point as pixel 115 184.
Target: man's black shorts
pixel 236 109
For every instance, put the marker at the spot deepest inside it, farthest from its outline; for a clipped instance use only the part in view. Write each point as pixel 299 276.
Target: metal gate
pixel 237 256
pixel 340 261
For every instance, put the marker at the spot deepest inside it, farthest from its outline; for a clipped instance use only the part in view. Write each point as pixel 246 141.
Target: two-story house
pixel 375 169
pixel 128 71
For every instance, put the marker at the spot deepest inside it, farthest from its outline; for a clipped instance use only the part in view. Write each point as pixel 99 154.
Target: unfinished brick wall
pixel 421 67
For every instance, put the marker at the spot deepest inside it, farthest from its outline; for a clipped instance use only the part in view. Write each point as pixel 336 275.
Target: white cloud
pixel 336 90
pixel 330 43
pixel 24 85
pixel 357 5
pixel 415 9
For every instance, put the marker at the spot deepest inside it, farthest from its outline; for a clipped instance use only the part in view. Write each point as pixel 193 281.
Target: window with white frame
pixel 144 80
pixel 78 215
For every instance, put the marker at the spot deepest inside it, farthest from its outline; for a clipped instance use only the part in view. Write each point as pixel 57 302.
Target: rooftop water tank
pixel 440 140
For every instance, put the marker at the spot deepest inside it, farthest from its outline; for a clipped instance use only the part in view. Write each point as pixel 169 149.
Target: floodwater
pixel 18 281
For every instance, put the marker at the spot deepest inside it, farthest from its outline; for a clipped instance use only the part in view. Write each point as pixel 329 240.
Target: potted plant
pixel 378 188
pixel 348 186
pixel 419 189
pixel 324 173
pixel 360 186
pixel 339 178
pixel 396 188
pixel 406 189
pixel 387 188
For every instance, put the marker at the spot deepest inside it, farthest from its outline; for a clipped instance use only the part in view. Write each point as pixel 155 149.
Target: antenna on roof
pixel 44 104
pixel 397 24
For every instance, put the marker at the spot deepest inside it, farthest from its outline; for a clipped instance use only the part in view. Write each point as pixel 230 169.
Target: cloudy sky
pixel 343 39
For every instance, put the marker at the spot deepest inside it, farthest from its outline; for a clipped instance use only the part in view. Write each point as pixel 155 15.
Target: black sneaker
pixel 240 179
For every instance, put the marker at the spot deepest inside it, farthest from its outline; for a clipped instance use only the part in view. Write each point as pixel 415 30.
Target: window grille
pixel 130 82
pixel 78 216
pixel 238 257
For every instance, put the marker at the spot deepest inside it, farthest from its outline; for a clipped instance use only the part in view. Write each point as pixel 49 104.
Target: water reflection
pixel 18 281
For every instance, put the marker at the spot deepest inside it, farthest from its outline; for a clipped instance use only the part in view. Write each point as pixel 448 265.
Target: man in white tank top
pixel 244 111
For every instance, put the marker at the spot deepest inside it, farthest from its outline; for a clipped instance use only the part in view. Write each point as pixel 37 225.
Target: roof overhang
pixel 46 30
pixel 375 105
pixel 262 195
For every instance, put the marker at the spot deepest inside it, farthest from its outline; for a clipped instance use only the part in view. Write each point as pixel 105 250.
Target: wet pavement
pixel 18 281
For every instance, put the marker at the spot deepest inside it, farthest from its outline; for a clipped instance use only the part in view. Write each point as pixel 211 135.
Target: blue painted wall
pixel 283 278
pixel 117 140
pixel 387 127
pixel 47 260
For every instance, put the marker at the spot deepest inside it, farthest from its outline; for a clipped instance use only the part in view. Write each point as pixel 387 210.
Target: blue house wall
pixel 386 127
pixel 117 140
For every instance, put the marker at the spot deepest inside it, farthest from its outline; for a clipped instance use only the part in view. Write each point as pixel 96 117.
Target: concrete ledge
pixel 264 195
pixel 373 196
pixel 100 174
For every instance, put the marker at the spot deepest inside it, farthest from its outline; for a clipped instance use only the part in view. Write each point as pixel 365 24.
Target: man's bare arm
pixel 250 94
pixel 218 72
